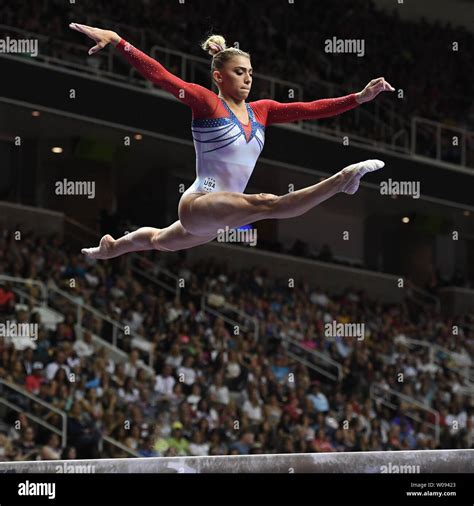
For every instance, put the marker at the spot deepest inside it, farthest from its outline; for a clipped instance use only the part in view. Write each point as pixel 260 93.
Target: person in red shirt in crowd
pixel 293 407
pixel 7 299
pixel 321 443
pixel 34 380
pixel 394 442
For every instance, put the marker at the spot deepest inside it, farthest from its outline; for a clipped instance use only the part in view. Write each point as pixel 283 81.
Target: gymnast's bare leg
pixel 203 214
pixel 171 238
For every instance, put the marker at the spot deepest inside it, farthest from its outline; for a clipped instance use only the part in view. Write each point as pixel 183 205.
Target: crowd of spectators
pixel 210 390
pixel 287 41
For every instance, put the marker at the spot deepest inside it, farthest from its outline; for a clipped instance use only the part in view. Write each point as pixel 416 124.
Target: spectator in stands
pixel 198 446
pixel 177 441
pixel 52 449
pixel 321 442
pixel 6 448
pixel 84 348
pixel 165 382
pixel 244 445
pixel 26 445
pixel 252 407
pixel 82 434
pixel 318 399
pixel 147 449
pixel 7 299
pixel 58 363
pixel 220 390
pixel 133 364
pixel 34 380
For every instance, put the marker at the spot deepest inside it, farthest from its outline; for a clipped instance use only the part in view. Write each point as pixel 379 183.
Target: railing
pixel 172 285
pixel 431 139
pixel 160 275
pixel 466 371
pixel 315 360
pixel 62 433
pixel 229 308
pixel 82 310
pixel 31 282
pixel 422 297
pixel 223 310
pixel 77 54
pixel 379 394
pixel 52 298
pixel 117 444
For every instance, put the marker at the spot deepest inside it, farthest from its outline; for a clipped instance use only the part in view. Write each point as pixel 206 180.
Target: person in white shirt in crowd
pixel 252 407
pixel 195 396
pixel 198 446
pixel 129 393
pixel 233 365
pixel 174 358
pixel 220 390
pixel 133 364
pixel 60 362
pixel 84 347
pixel 186 373
pixel 164 382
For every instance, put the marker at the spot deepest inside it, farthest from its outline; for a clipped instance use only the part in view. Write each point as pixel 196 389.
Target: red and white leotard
pixel 226 149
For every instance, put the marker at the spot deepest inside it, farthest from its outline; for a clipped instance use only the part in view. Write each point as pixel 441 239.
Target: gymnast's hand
pixel 375 87
pixel 99 36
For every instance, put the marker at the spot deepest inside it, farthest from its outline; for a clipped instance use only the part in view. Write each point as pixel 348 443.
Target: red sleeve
pixel 270 111
pixel 202 101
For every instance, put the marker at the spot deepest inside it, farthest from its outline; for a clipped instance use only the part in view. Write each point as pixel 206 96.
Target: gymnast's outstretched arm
pixel 270 111
pixel 202 101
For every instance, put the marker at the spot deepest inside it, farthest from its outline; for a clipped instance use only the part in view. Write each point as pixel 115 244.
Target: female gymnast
pixel 228 137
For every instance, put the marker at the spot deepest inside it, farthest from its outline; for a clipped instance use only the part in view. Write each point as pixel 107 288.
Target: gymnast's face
pixel 235 78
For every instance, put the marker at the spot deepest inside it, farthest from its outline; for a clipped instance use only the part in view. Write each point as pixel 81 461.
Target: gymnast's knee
pixel 267 201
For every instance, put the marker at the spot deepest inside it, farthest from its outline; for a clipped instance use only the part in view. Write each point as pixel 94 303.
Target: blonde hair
pixel 216 46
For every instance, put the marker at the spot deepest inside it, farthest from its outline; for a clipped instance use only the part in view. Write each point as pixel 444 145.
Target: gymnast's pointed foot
pixel 352 174
pixel 103 251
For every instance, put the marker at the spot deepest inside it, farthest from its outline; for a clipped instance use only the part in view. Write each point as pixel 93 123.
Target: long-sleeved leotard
pixel 226 149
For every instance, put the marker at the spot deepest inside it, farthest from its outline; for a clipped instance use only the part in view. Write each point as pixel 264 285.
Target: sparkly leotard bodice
pixel 226 152
pixel 226 149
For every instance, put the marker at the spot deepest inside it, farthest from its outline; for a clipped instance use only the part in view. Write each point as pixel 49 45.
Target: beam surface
pixel 422 461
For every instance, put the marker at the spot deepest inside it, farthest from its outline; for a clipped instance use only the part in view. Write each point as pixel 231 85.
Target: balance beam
pixel 420 461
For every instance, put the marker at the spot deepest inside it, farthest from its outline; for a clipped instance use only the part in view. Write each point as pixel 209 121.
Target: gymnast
pixel 228 134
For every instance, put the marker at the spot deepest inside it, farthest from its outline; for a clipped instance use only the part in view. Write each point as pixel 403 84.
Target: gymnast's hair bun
pixel 214 44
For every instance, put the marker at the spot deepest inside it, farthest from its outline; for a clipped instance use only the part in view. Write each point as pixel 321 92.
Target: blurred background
pixel 222 349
